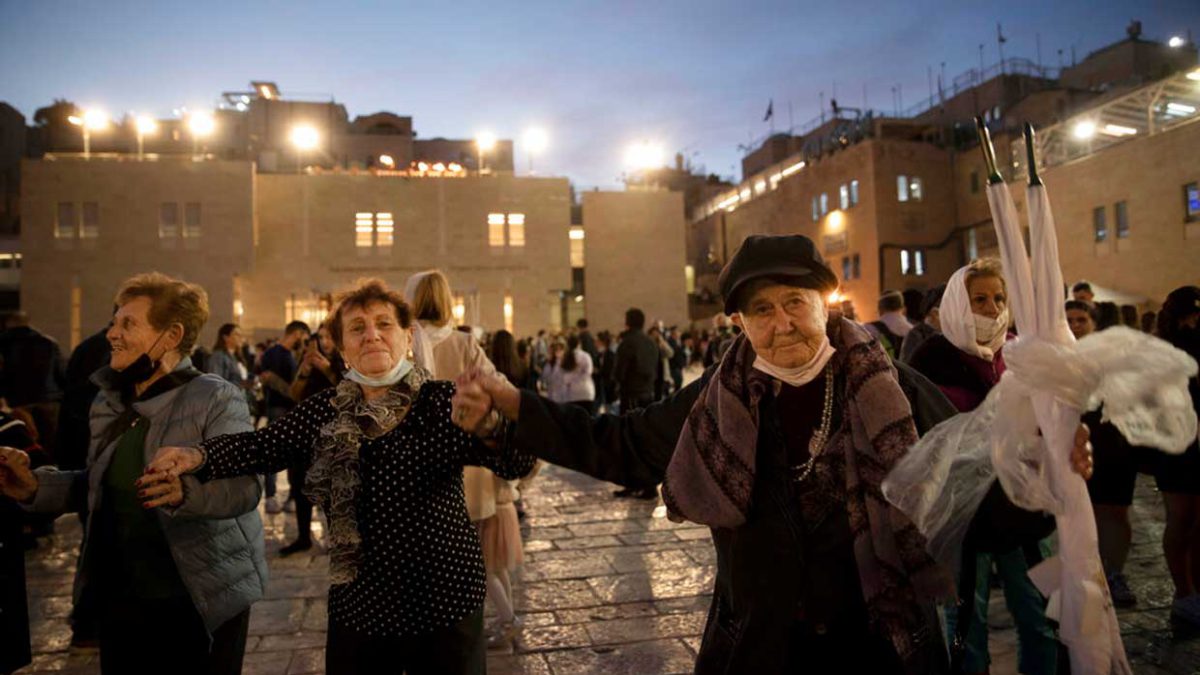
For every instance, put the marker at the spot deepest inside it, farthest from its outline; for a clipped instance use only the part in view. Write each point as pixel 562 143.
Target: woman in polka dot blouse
pixel 406 572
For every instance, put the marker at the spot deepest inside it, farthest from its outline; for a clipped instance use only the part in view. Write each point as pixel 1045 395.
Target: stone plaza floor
pixel 609 586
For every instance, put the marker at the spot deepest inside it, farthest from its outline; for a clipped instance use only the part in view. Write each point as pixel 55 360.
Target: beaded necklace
pixel 817 443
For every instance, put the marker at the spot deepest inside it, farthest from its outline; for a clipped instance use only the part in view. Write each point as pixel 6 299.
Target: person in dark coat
pixel 73 435
pixel 14 608
pixel 779 449
pixel 605 371
pixel 32 377
pixel 637 363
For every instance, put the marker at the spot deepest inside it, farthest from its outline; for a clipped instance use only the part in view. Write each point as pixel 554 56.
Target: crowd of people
pixel 775 426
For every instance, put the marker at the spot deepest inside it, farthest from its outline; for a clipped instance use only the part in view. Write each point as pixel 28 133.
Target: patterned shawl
pixel 711 475
pixel 334 479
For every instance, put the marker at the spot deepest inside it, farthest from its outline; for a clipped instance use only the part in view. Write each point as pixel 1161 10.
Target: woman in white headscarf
pixel 965 361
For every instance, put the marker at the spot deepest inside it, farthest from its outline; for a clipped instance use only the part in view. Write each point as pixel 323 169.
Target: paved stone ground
pixel 609 586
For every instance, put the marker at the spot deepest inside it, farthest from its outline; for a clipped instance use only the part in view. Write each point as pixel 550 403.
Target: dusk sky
pixel 694 76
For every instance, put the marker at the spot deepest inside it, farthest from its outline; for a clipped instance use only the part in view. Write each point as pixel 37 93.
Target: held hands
pixel 478 394
pixel 16 479
pixel 1081 453
pixel 160 484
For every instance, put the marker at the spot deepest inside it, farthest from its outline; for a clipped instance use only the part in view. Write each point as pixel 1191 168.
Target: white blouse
pixel 565 386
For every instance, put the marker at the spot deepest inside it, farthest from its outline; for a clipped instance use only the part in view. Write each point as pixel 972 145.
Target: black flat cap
pixel 793 258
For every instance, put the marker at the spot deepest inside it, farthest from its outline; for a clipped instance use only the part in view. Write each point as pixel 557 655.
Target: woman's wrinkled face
pixel 785 324
pixel 988 297
pixel 131 334
pixel 373 341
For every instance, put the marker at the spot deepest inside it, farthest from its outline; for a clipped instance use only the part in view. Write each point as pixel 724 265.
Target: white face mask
pixel 988 331
pixel 397 373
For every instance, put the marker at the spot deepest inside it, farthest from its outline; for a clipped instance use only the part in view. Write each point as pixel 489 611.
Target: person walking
pixel 172 583
pixel 635 371
pixel 276 370
pixel 892 326
pixel 568 377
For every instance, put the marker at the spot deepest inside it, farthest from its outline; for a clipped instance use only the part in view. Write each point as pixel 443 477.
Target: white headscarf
pixel 426 336
pixel 965 329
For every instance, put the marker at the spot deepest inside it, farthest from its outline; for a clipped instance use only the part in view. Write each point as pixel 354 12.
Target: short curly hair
pixel 171 301
pixel 363 293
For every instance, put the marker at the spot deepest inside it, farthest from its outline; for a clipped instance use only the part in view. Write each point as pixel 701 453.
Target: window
pixel 385 229
pixel 495 230
pixel 902 188
pixel 916 189
pixel 919 262
pixel 168 221
pixel 1099 224
pixel 972 244
pixel 912 262
pixel 373 231
pixel 824 203
pixel 508 312
pixel 853 193
pixel 816 212
pixel 64 222
pixel 1121 213
pixel 905 262
pixel 191 220
pixel 856 265
pixel 846 269
pixel 1191 202
pixel 515 232
pixel 689 279
pixel 364 229
pixel 516 229
pixel 844 197
pixel 974 182
pixel 90 227
pixel 577 239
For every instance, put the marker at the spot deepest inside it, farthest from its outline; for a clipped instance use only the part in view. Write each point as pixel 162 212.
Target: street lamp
pixel 90 121
pixel 484 142
pixel 536 140
pixel 144 125
pixel 201 124
pixel 304 137
pixel 388 161
pixel 1176 42
pixel 645 156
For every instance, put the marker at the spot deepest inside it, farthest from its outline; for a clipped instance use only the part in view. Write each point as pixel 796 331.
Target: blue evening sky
pixel 694 75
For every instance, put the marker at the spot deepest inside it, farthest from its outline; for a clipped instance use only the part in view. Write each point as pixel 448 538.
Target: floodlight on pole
pixel 484 142
pixel 644 156
pixel 304 137
pixel 91 120
pixel 1084 130
pixel 1176 42
pixel 536 141
pixel 201 125
pixel 144 125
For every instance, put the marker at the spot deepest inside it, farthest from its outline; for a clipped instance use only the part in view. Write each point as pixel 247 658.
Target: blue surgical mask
pixel 402 368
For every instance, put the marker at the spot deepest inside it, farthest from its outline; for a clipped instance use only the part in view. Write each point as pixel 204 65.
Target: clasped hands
pixel 477 394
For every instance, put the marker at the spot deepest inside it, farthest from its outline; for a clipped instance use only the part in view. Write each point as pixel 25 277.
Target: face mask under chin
pixel 142 368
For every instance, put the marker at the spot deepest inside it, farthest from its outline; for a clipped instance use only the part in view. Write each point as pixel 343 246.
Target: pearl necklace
pixel 817 443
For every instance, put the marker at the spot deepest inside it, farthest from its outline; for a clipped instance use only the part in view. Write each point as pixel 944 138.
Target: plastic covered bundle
pixel 1140 380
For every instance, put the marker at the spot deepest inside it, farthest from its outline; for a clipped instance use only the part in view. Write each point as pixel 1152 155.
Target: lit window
pixel 905 262
pixel 496 230
pixel 919 262
pixel 689 279
pixel 1099 224
pixel 64 222
pixel 364 230
pixel 577 241
pixel 191 220
pixel 902 188
pixel 916 189
pixel 824 203
pixel 384 230
pixel 508 312
pixel 516 229
pixel 90 227
pixel 1191 202
pixel 816 212
pixel 972 244
pixel 844 197
pixel 168 221
pixel 853 193
pixel 1122 216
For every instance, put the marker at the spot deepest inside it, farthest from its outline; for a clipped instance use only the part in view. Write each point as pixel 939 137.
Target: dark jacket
pixel 14 607
pixel 766 568
pixel 31 367
pixel 588 344
pixel 73 435
pixel 636 368
pixel 604 372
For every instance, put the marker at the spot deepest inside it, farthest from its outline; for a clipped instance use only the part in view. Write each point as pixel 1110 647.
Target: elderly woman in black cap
pixel 780 448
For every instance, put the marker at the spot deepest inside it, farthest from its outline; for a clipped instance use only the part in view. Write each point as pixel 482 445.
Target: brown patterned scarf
pixel 711 475
pixel 334 479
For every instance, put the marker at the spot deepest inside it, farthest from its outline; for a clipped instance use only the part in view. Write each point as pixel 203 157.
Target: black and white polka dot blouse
pixel 421 566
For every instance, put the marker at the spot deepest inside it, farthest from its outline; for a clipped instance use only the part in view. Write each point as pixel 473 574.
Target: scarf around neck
pixel 711 475
pixel 335 477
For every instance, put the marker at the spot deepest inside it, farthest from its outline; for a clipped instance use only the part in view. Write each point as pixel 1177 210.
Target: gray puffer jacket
pixel 215 535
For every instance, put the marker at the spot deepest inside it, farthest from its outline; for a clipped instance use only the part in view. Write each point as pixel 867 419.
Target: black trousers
pixel 167 636
pixel 454 650
pixel 304 507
